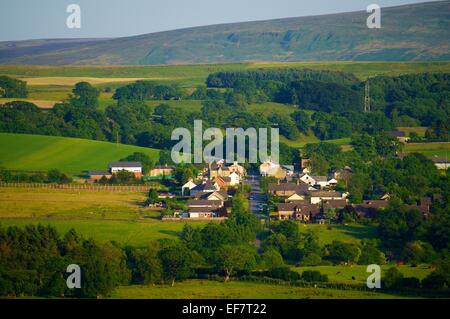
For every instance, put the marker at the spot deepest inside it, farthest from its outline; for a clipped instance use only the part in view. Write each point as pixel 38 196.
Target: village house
pixel 221 196
pixel 207 186
pixel 300 210
pixel 370 208
pixel 161 171
pixel 319 195
pixel 186 188
pixel 334 204
pixel 208 205
pixel 321 181
pixel 270 168
pixel 224 182
pixel 224 170
pixel 288 189
pixel 441 162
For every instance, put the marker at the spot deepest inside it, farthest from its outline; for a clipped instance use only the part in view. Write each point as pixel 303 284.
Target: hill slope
pixel 408 33
pixel 70 155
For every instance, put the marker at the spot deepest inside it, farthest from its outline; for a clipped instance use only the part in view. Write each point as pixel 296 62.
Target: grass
pixel 441 149
pixel 195 74
pixel 43 104
pixel 346 233
pixel 71 155
pixel 76 204
pixel 204 289
pixel 345 274
pixel 132 233
pixel 419 130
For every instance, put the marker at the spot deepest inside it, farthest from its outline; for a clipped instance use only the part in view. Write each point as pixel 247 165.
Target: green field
pixel 440 149
pixel 197 73
pixel 137 234
pixel 68 204
pixel 204 289
pixel 70 155
pixel 345 274
pixel 346 233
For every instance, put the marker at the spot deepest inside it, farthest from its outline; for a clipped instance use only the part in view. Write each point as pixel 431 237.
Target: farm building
pixel 132 167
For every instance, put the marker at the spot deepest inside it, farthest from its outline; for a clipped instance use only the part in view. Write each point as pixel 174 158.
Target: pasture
pixel 68 204
pixel 440 149
pixel 356 274
pixel 347 233
pixel 206 289
pixel 126 233
pixel 70 155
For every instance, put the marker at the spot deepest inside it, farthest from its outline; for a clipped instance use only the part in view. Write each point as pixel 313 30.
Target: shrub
pixel 314 276
pixel 283 273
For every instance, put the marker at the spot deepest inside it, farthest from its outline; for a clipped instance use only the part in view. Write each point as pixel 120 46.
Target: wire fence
pixel 108 188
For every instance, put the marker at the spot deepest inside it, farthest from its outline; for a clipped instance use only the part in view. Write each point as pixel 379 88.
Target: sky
pixel 37 19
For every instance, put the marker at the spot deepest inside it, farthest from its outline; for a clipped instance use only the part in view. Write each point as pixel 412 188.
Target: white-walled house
pixel 235 179
pixel 318 196
pixel 132 167
pixel 186 188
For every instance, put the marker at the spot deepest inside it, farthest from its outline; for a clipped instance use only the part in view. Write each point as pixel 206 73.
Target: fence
pixel 109 188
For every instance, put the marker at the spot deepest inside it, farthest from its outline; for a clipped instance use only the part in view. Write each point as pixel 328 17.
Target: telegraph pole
pixel 367 97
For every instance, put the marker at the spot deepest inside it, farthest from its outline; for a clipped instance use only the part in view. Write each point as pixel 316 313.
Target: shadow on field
pixel 358 231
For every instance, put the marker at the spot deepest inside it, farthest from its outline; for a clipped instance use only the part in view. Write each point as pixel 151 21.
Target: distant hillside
pixel 69 155
pixel 414 32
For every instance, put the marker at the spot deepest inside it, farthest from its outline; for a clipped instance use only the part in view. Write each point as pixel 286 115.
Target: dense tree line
pixel 410 100
pixel 148 90
pixel 10 88
pixel 34 260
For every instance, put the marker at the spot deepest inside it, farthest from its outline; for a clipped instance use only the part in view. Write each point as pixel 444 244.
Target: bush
pixel 435 280
pixel 407 283
pixel 391 277
pixel 311 259
pixel 283 273
pixel 314 276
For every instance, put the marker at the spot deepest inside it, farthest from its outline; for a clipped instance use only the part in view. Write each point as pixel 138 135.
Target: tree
pixel 391 277
pixel 302 120
pixel 343 252
pixel 271 257
pixel 148 264
pixel 230 258
pixel 177 262
pixel 146 161
pixel 370 254
pixel 12 88
pixel 84 95
pixel 152 196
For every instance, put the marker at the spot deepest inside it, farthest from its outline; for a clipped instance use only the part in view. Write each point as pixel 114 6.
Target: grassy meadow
pixel 205 289
pixel 347 233
pixel 70 155
pixel 357 275
pixel 69 204
pixel 126 233
pixel 440 149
